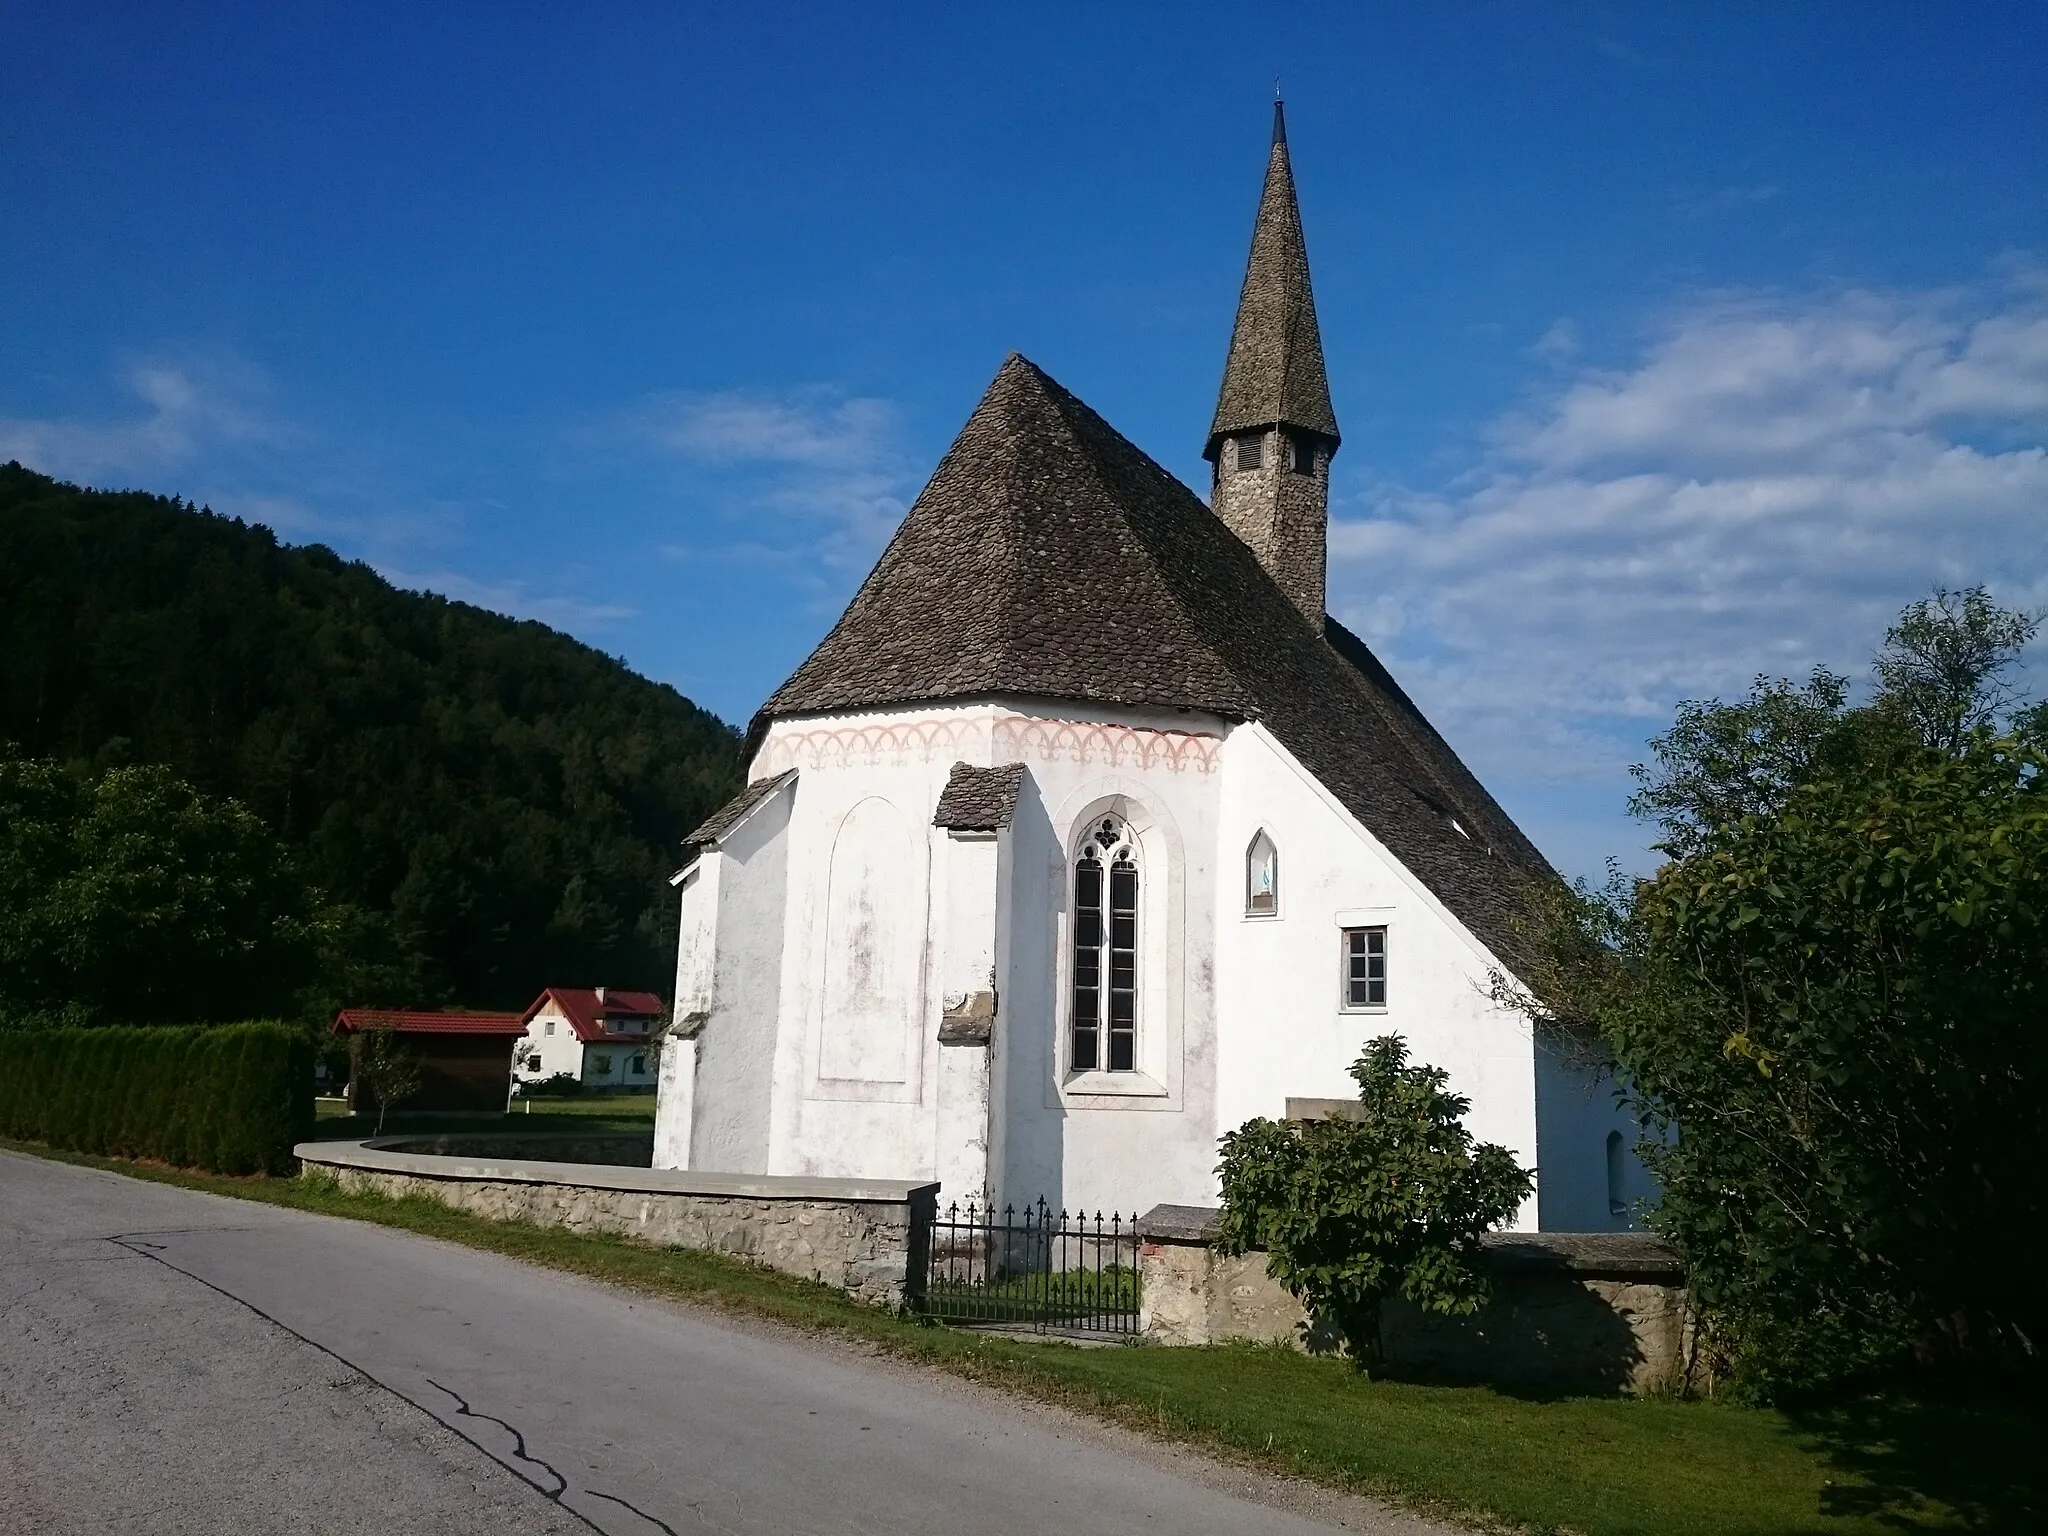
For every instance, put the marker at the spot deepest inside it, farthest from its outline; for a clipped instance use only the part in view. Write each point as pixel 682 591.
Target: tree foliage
pixel 386 1070
pixel 1352 1210
pixel 1828 1006
pixel 487 805
pixel 131 898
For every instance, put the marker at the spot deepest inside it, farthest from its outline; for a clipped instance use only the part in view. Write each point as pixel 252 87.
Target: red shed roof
pixel 405 1022
pixel 586 1011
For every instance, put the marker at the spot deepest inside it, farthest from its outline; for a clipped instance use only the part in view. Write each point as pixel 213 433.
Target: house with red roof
pixel 600 1036
pixel 463 1057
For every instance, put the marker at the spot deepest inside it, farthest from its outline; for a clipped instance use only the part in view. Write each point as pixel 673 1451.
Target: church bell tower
pixel 1274 434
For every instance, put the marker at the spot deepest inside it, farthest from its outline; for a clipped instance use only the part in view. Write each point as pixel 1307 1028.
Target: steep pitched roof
pixel 1049 557
pixel 1275 375
pixel 586 1011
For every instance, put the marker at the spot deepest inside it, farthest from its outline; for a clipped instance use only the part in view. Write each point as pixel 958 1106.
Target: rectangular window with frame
pixel 1251 453
pixel 1365 968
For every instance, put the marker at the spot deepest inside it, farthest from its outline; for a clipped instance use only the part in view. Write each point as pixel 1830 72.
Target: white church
pixel 1087 835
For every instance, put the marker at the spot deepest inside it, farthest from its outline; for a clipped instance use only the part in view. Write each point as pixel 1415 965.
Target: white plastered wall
pixel 1283 1029
pixel 714 1093
pixel 1237 1014
pixel 559 1050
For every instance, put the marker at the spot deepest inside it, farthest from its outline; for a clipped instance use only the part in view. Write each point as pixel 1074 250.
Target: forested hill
pixel 495 806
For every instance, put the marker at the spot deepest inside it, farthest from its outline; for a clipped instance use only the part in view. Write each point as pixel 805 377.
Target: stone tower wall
pixel 1283 515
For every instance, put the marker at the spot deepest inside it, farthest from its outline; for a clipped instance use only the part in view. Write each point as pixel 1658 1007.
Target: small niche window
pixel 1251 452
pixel 1104 1031
pixel 1365 968
pixel 1301 455
pixel 1261 878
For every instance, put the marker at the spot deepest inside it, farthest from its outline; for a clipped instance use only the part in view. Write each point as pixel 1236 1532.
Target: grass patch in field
pixel 1598 1466
pixel 623 1114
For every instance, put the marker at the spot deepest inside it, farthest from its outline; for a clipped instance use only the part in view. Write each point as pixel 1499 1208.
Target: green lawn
pixel 624 1113
pixel 1599 1466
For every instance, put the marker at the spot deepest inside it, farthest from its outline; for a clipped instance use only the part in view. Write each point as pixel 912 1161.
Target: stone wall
pixel 859 1236
pixel 1594 1311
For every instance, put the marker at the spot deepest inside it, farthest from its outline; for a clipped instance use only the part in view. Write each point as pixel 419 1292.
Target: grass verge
pixel 622 1114
pixel 1598 1466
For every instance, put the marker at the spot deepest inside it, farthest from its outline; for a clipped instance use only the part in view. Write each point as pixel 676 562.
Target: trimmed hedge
pixel 232 1098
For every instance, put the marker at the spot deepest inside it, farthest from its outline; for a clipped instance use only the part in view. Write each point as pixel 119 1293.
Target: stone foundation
pixel 1587 1312
pixel 858 1236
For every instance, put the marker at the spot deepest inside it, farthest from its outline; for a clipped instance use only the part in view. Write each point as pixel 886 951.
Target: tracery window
pixel 1104 1028
pixel 1261 878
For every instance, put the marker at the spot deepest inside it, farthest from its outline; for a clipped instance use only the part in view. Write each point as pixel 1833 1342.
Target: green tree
pixel 131 898
pixel 1947 664
pixel 489 805
pixel 386 1070
pixel 1390 1201
pixel 1827 1009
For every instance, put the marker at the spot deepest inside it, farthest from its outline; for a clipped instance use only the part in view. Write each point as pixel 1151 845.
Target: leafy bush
pixel 1351 1211
pixel 562 1085
pixel 233 1098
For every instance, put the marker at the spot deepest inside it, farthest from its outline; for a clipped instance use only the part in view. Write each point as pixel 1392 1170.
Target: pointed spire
pixel 1275 375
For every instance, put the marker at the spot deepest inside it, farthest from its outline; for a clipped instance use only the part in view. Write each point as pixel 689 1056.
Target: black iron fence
pixel 1045 1269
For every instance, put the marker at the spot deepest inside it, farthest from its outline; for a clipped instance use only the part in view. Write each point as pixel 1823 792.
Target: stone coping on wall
pixel 378 1155
pixel 1615 1255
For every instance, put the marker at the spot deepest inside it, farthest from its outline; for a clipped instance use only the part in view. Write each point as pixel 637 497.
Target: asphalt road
pixel 173 1361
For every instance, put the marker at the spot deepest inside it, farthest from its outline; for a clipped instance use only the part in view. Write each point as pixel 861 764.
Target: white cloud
pixel 1760 492
pixel 815 477
pixel 187 406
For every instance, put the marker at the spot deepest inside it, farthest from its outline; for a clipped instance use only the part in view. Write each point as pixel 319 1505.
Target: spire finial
pixel 1279 114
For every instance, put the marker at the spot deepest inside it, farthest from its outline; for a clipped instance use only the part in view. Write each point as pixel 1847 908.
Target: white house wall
pixel 821 1054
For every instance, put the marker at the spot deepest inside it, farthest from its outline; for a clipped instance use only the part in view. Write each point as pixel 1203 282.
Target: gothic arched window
pixel 1105 1019
pixel 1261 878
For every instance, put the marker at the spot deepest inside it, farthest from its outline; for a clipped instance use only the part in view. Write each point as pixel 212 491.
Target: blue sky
pixel 1670 344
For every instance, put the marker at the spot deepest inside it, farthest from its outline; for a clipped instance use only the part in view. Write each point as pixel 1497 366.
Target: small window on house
pixel 1104 1029
pixel 1261 878
pixel 1301 455
pixel 551 1026
pixel 1617 1169
pixel 640 1066
pixel 602 1066
pixel 1365 968
pixel 1251 452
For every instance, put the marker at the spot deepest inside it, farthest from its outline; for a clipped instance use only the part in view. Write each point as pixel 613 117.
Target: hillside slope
pixel 498 802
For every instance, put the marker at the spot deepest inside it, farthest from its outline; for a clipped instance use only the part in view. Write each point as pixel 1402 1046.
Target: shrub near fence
pixel 233 1098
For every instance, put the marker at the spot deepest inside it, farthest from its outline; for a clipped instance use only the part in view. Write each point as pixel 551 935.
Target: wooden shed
pixel 465 1058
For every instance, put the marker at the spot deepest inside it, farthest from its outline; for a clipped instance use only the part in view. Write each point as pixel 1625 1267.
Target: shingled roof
pixel 722 821
pixel 979 799
pixel 1275 375
pixel 1049 557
